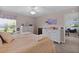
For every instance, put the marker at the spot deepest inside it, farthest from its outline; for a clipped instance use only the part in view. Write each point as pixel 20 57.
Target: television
pixel 52 21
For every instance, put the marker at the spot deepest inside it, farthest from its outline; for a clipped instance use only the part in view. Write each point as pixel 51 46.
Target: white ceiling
pixel 43 10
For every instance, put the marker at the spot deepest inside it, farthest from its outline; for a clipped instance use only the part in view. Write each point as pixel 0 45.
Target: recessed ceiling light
pixel 33 12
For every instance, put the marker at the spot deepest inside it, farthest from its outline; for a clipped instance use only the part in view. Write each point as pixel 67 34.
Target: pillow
pixel 6 36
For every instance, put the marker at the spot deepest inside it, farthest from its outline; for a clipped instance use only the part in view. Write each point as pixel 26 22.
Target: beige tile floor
pixel 71 45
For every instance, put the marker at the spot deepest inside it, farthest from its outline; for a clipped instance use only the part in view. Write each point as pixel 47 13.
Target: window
pixel 7 25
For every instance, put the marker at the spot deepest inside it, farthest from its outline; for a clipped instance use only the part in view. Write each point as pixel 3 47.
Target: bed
pixel 27 43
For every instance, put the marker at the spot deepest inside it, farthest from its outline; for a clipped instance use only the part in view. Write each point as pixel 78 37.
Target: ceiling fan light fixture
pixel 35 8
pixel 32 12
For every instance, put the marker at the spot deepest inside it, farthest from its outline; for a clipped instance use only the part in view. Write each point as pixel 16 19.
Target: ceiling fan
pixel 33 10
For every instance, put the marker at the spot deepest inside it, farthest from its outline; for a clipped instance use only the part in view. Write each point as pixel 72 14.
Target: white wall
pixel 24 20
pixel 40 22
pixel 58 17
